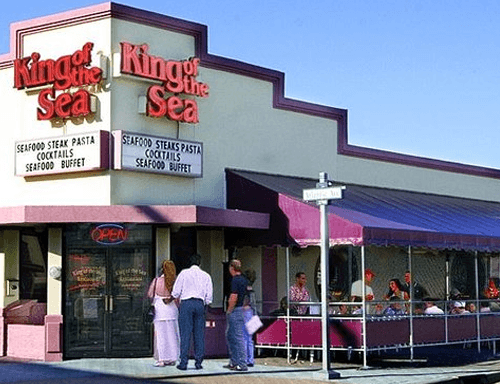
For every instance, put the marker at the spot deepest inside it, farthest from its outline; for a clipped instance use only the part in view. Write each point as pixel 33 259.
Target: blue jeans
pixel 235 338
pixel 192 323
pixel 247 315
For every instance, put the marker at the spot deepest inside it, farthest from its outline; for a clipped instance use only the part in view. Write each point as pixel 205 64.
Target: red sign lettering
pixel 64 73
pixel 109 234
pixel 177 77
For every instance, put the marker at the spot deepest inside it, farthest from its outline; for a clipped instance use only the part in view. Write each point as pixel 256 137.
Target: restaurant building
pixel 124 142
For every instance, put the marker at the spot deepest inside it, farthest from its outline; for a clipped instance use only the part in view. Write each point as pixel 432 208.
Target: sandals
pixel 163 363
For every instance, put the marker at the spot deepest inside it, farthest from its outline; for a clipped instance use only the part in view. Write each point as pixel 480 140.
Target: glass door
pixel 87 302
pixel 105 289
pixel 128 334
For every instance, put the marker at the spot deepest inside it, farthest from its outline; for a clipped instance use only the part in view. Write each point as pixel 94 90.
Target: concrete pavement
pixel 266 371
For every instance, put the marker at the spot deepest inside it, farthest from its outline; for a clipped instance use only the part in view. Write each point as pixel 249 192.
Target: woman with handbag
pixel 166 327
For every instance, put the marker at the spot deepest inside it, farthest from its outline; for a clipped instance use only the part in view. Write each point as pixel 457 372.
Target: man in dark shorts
pixel 235 319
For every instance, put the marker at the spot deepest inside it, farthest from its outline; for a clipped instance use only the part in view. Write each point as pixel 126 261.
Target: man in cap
pixel 357 287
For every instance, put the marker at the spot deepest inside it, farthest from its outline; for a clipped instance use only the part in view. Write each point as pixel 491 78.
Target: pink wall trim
pixel 182 214
pixel 200 33
pixel 3 334
pixel 53 338
pixel 269 270
pixel 26 341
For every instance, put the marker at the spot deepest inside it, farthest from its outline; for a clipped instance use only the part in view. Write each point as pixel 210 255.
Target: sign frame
pixel 174 150
pixel 101 163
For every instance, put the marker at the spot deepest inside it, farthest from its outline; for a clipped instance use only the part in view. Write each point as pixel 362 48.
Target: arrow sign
pixel 322 193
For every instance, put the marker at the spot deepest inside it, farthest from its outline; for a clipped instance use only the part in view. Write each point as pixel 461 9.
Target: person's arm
pixel 233 299
pixel 151 290
pixel 177 288
pixel 209 289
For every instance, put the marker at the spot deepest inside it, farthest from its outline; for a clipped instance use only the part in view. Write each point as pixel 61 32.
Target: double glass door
pixel 106 296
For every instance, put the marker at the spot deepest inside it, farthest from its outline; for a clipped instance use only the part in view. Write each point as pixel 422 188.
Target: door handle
pixel 110 304
pixel 106 304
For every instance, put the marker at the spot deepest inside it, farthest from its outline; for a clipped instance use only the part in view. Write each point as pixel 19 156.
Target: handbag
pixel 254 324
pixel 149 315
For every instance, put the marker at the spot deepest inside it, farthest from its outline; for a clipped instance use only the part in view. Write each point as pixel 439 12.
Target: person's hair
pixel 169 273
pixel 298 274
pixel 250 275
pixel 284 302
pixel 398 283
pixel 236 265
pixel 195 259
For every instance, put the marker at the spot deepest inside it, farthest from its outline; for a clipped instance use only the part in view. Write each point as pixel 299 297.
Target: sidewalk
pixel 277 371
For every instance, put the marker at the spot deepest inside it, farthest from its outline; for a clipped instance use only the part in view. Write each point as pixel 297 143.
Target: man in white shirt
pixel 357 287
pixel 193 287
pixel 432 308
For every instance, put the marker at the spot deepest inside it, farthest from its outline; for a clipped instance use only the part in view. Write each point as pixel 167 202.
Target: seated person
pixel 431 308
pixel 357 309
pixel 395 308
pixel 484 307
pixel 419 309
pixel 471 307
pixel 459 308
pixel 341 309
pixel 281 311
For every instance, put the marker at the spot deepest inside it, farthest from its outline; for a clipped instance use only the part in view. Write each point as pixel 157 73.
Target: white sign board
pixel 322 193
pixel 145 153
pixel 62 154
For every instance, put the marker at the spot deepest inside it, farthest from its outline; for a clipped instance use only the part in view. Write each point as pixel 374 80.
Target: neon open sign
pixel 109 234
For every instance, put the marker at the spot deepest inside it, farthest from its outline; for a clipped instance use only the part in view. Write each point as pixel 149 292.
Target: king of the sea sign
pixel 146 153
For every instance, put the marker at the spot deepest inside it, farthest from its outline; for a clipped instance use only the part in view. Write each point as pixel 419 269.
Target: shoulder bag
pixel 254 324
pixel 149 315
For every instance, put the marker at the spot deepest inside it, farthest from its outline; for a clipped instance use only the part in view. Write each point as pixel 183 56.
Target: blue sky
pixel 417 77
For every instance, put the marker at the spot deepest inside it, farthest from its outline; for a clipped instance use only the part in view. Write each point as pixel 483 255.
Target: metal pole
pixel 363 290
pixel 325 274
pixel 447 282
pixel 478 322
pixel 411 301
pixel 321 195
pixel 288 346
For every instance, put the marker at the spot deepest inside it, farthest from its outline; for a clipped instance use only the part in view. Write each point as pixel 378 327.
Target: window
pixel 33 265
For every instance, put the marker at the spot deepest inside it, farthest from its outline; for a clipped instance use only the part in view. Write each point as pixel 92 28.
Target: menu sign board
pixel 62 154
pixel 145 153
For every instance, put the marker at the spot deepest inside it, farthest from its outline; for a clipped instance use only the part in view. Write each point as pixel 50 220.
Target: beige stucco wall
pixel 398 176
pixel 238 128
pixel 210 245
pixel 19 122
pixel 55 259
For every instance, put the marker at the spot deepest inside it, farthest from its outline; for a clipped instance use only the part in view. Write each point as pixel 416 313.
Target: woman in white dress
pixel 166 327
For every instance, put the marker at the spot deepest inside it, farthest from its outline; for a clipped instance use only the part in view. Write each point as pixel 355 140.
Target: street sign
pixel 323 193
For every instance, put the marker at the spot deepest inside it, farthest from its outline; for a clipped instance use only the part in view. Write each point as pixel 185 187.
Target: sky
pixel 419 77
